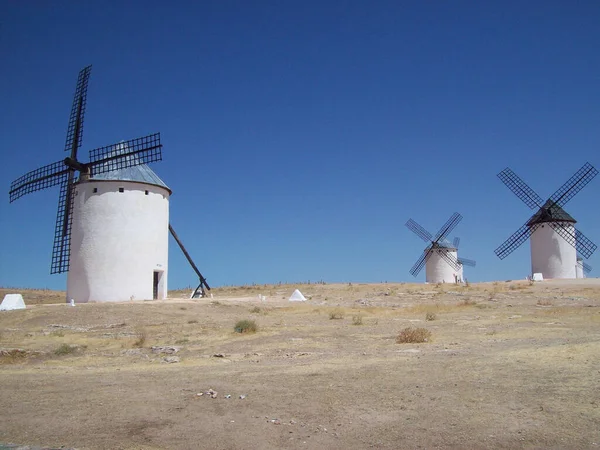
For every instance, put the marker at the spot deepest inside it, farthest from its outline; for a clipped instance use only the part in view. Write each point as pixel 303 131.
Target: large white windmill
pixel 555 243
pixel 440 257
pixel 112 226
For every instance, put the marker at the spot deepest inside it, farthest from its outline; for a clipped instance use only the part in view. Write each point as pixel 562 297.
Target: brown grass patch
pixel 412 335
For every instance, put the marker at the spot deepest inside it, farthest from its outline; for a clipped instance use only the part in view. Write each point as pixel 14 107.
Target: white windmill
pixel 112 225
pixel 440 257
pixel 555 243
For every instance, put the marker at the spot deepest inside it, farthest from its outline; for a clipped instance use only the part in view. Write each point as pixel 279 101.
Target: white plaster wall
pixel 551 255
pixel 118 240
pixel 437 270
pixel 461 273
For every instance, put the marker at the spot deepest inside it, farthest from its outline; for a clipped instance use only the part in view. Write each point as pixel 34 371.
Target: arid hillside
pixel 492 365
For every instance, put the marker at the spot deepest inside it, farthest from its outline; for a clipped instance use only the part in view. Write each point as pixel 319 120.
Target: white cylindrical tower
pixel 119 238
pixel 437 269
pixel 579 273
pixel 551 254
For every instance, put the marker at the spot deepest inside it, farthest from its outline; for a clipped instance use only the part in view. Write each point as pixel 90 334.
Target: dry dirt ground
pixel 508 365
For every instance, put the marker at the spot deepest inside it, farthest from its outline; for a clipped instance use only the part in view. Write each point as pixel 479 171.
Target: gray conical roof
pixel 141 173
pixel 550 212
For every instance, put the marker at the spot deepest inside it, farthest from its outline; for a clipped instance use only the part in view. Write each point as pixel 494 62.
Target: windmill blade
pixel 456 242
pixel 449 258
pixel 586 267
pixel 75 129
pixel 582 244
pixel 448 227
pixel 520 189
pixel 38 179
pixel 574 184
pixel 419 230
pixel 61 248
pixel 418 266
pixel 516 239
pixel 467 262
pixel 126 154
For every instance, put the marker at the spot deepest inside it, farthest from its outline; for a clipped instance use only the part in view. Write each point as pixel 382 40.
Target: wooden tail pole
pixel 189 258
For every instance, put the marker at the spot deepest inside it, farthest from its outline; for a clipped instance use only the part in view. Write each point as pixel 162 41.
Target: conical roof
pixel 550 212
pixel 141 173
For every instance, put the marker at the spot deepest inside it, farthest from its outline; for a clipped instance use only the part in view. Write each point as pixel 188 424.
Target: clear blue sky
pixel 299 136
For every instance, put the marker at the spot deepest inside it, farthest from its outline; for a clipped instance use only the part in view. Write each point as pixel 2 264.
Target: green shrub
pixel 429 316
pixel 245 326
pixel 65 349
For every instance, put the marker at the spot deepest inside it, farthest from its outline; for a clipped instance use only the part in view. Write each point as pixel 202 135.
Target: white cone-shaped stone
pixel 12 301
pixel 297 297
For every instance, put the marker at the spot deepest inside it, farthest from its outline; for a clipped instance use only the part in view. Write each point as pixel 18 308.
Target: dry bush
pixel 65 349
pixel 467 302
pixel 192 321
pixel 13 355
pixel 336 314
pixel 357 320
pixel 245 326
pixel 544 303
pixel 429 316
pixel 412 335
pixel 141 335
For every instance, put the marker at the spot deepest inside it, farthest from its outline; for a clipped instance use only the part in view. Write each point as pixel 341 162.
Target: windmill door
pixel 155 285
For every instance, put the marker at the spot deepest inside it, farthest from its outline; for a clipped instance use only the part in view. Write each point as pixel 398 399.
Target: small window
pixel 121 189
pixel 146 192
pixel 95 190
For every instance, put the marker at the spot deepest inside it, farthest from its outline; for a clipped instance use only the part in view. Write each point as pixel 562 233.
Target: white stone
pixel 297 297
pixel 12 301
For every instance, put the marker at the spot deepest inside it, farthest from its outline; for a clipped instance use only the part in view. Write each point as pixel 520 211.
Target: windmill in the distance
pixel 583 268
pixel 555 243
pixel 111 232
pixel 462 261
pixel 440 258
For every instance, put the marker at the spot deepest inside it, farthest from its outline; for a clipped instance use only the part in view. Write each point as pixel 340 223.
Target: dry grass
pixel 336 314
pixel 357 319
pixel 304 368
pixel 141 336
pixel 65 349
pixel 412 335
pixel 429 316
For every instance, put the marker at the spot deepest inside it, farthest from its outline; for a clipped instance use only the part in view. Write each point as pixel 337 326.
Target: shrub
pixel 256 310
pixel 357 320
pixel 12 355
pixel 65 349
pixel 336 314
pixel 192 321
pixel 412 335
pixel 429 316
pixel 467 302
pixel 142 335
pixel 245 326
